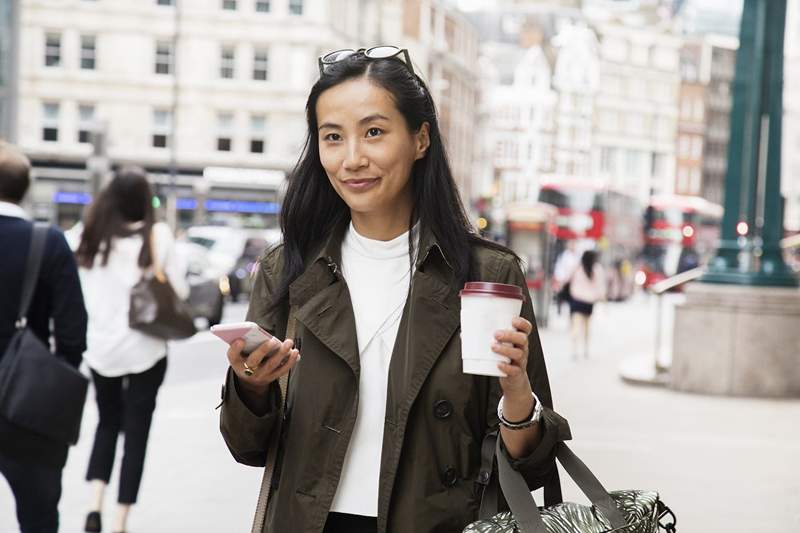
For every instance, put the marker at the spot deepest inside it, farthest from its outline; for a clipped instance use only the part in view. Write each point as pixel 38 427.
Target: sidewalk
pixel 722 464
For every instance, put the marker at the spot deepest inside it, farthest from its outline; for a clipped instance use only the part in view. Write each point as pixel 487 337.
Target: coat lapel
pixel 323 305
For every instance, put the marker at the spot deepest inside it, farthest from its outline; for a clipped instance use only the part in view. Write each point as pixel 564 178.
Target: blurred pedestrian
pixel 116 249
pixel 587 287
pixel 565 265
pixel 381 422
pixel 32 463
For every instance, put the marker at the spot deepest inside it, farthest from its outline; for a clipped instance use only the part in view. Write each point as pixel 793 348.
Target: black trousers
pixel 37 489
pixel 350 523
pixel 125 404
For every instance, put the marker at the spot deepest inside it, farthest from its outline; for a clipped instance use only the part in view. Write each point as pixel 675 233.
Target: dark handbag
pixel 629 511
pixel 155 309
pixel 39 391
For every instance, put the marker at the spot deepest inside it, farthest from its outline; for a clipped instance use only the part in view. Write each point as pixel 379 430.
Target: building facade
pixel 576 79
pixel 721 54
pixel 519 105
pixel 208 95
pixel 636 111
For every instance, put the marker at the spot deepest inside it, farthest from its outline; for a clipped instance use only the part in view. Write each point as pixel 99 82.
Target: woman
pixel 382 429
pixel 128 367
pixel 587 286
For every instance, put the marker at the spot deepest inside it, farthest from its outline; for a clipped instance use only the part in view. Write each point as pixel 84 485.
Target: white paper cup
pixel 485 309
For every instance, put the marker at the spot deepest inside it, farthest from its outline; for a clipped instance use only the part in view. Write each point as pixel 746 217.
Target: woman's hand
pixel 513 343
pixel 267 363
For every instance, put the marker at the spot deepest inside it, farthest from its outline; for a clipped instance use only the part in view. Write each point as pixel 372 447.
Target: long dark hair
pixel 127 199
pixel 312 209
pixel 588 260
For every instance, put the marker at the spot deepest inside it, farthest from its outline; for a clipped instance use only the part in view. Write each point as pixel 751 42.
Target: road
pixel 722 464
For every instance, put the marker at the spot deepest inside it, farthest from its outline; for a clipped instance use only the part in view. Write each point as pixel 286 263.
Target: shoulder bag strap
pixel 38 238
pixel 523 506
pixel 259 520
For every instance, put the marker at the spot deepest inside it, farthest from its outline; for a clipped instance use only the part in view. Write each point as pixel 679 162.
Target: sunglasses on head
pixel 376 52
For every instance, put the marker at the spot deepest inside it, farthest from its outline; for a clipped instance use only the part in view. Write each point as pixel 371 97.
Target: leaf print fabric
pixel 640 509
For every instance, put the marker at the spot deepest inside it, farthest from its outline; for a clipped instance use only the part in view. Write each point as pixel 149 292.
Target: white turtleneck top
pixel 377 275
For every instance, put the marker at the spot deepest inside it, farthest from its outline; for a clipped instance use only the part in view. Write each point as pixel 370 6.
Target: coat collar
pixel 322 300
pixel 330 253
pixel 7 209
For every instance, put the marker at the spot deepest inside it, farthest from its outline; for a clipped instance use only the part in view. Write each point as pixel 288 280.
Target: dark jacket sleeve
pixel 247 433
pixel 68 310
pixel 537 467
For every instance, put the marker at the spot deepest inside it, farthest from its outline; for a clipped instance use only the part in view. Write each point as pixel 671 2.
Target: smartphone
pixel 252 334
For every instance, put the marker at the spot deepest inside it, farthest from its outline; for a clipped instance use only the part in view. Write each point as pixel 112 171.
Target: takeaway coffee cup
pixel 486 308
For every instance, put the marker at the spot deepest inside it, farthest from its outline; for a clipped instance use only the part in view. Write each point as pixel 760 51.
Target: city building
pixel 208 95
pixel 519 106
pixel 707 70
pixel 575 80
pixel 635 111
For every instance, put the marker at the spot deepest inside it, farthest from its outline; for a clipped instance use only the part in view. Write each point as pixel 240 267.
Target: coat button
pixel 442 409
pixel 449 477
pixel 483 477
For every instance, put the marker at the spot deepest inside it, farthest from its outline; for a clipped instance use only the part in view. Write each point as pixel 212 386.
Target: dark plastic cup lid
pixel 501 290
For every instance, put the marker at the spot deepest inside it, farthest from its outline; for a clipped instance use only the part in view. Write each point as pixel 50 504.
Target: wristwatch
pixel 536 415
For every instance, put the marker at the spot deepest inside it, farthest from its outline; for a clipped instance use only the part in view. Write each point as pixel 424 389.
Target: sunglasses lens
pixel 382 52
pixel 338 55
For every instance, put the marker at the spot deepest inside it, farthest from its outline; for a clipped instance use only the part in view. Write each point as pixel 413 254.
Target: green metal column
pixel 754 153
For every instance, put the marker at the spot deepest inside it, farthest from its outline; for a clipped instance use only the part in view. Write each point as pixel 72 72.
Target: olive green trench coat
pixel 436 416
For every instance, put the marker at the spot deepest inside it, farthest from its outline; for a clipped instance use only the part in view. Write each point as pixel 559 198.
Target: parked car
pixel 234 251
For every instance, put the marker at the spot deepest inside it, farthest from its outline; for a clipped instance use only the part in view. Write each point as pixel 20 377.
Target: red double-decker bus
pixel 607 220
pixel 680 233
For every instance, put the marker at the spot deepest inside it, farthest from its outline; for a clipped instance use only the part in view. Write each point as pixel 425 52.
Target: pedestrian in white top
pixel 127 366
pixel 587 286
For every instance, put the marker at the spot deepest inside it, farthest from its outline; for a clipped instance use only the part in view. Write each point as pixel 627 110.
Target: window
pixel 227 61
pixel 296 7
pixel 258 130
pixel 697 147
pixel 260 65
pixel 229 5
pixel 684 146
pixel 85 123
pixel 607 159
pixel 695 185
pixel 262 6
pixel 699 111
pixel 224 132
pixel 162 128
pixel 52 50
pixel 88 52
pixel 632 163
pixel 50 112
pixel 683 180
pixel 163 57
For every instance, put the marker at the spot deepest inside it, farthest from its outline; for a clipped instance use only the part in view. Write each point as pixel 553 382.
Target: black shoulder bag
pixel 39 391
